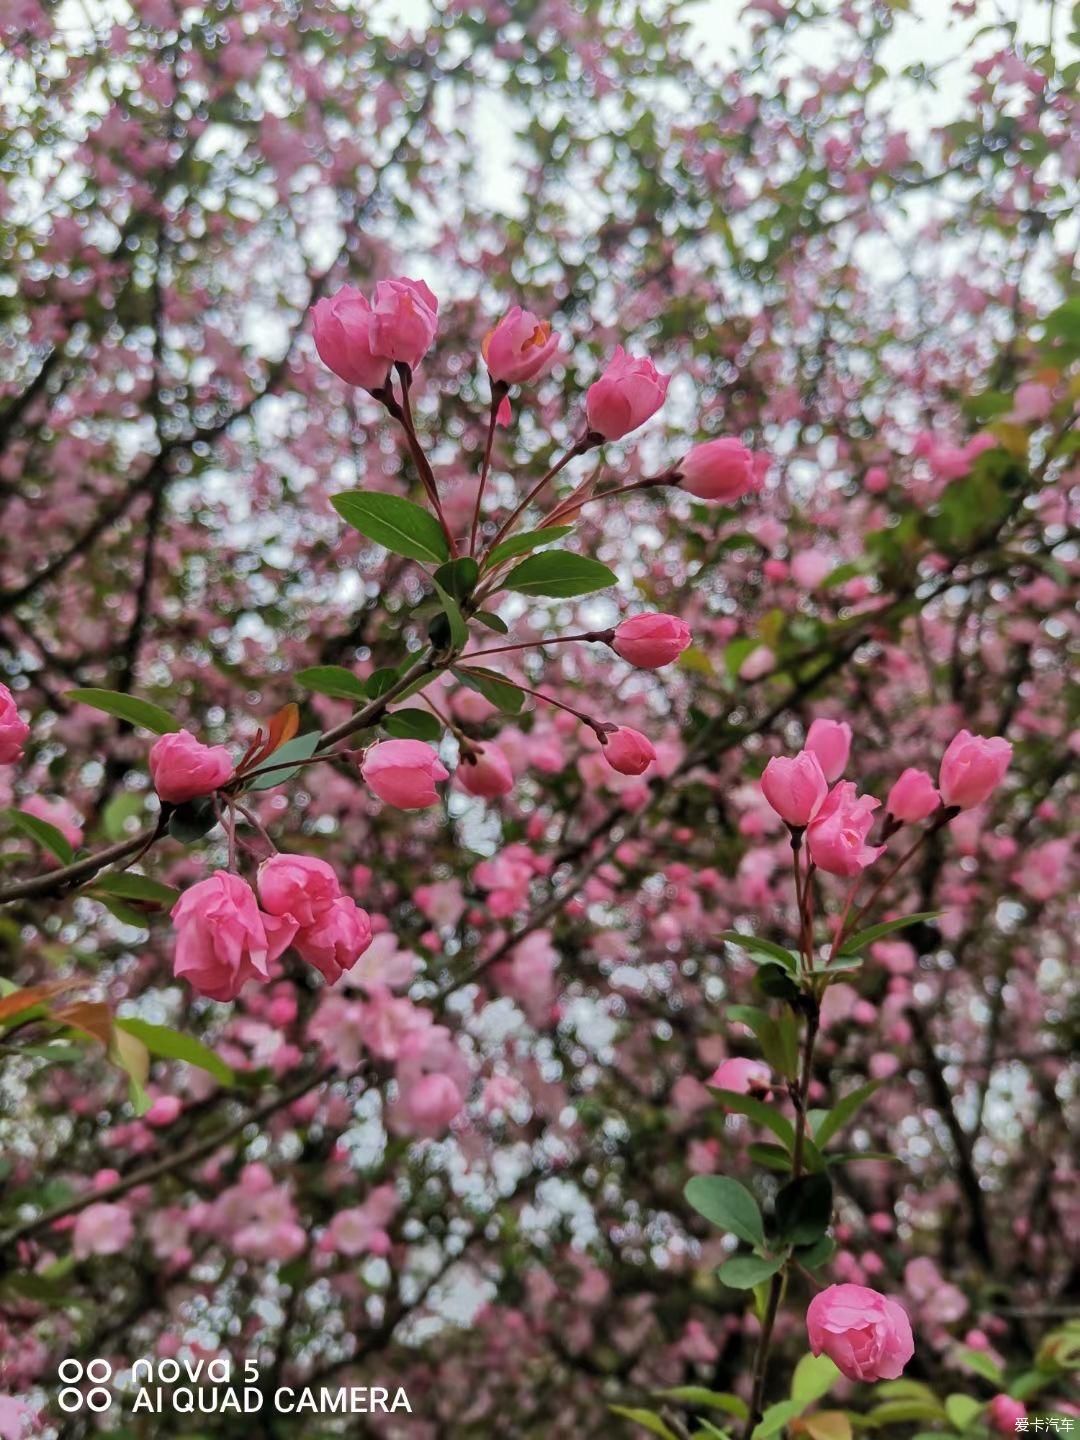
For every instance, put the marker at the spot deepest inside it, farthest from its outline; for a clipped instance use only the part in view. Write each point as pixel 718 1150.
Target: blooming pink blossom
pixel 913 797
pixel 830 741
pixel 299 886
pixel 346 337
pixel 519 348
pixel 972 767
pixel 836 837
pixel 182 768
pixel 488 775
pixel 628 751
pixel 337 938
pixel 406 318
pixel 626 395
pixel 650 641
pixel 720 470
pixel 1003 1413
pixel 101 1229
pixel 13 729
pixel 403 773
pixel 866 1335
pixel 223 939
pixel 795 787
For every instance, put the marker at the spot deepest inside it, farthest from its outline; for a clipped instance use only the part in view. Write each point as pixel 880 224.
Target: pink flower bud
pixel 866 1335
pixel 741 1076
pixel 650 641
pixel 628 751
pixel 830 741
pixel 720 470
pixel 223 939
pixel 520 348
pixel 299 886
pixel 626 395
pixel 972 768
pixel 912 797
pixel 403 773
pixel 347 341
pixel 13 729
pixel 488 776
pixel 1003 1412
pixel 406 318
pixel 163 1112
pixel 182 768
pixel 836 837
pixel 795 787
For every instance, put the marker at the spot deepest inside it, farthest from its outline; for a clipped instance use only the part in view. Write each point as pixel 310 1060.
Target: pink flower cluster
pixel 838 821
pixel 224 939
pixel 360 341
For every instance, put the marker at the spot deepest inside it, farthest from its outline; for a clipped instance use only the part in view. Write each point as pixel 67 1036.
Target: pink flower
pixel 163 1112
pixel 336 940
pixel 101 1229
pixel 223 939
pixel 361 1230
pixel 718 470
pixel 1003 1412
pixel 625 396
pixel 183 768
pixel 795 787
pixel 866 1335
pixel 346 337
pixel 836 836
pixel 403 773
pixel 912 797
pixel 489 775
pixel 972 768
pixel 741 1076
pixel 429 1105
pixel 406 318
pixel 13 729
pixel 520 347
pixel 830 741
pixel 650 641
pixel 299 886
pixel 628 751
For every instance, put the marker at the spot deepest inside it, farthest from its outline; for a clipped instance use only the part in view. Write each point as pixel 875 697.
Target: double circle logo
pixel 97 1398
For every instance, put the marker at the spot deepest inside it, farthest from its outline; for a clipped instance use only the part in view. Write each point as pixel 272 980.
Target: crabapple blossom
pixel 913 796
pixel 867 1335
pixel 403 773
pixel 795 787
pixel 972 768
pixel 627 394
pixel 182 768
pixel 628 751
pixel 486 774
pixel 223 939
pixel 830 741
pixel 651 641
pixel 13 729
pixel 519 349
pixel 720 470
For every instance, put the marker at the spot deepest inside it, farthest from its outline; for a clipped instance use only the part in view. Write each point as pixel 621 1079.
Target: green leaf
pixel 126 885
pixel 776 1417
pixel 814 1376
pixel 412 725
pixel 503 694
pixel 191 821
pixel 301 748
pixel 756 1110
pixel 904 1412
pixel 773 1157
pixel 743 1272
pixel 761 950
pixel 126 707
pixel 449 628
pixel 170 1044
pixel 333 680
pixel 559 574
pixel 708 1431
pixel 645 1418
pixel 458 577
pixel 394 523
pixel 493 622
pixel 804 1209
pixel 726 1203
pixel 962 1410
pixel 980 1362
pixel 821 1251
pixel 887 927
pixel 843 1111
pixel 713 1399
pixel 522 544
pixel 125 805
pixel 44 834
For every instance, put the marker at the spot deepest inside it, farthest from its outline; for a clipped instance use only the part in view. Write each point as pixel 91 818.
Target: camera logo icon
pixel 97 1398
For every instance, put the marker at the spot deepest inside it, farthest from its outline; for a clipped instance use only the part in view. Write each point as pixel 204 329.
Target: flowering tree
pixel 537 734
